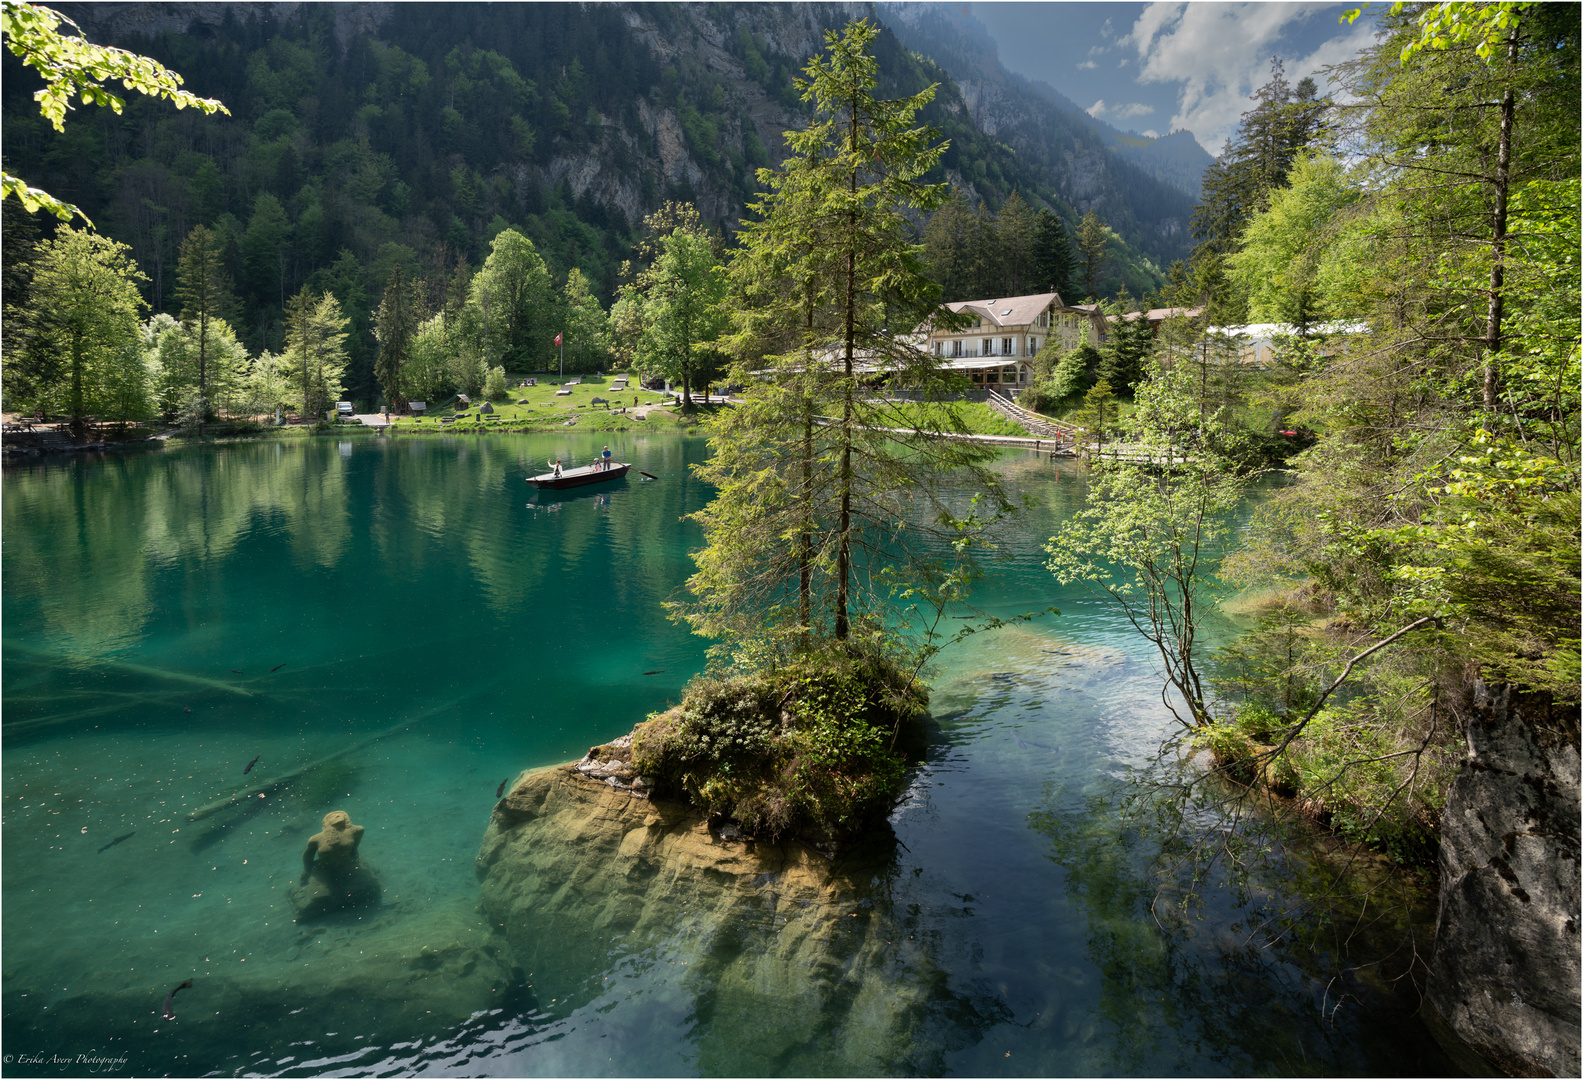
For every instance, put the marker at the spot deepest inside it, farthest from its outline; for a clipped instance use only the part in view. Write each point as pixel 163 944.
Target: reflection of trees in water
pixel 1222 958
pixel 122 520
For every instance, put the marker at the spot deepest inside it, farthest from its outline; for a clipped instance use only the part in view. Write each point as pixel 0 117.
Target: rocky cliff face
pixel 785 949
pixel 1505 978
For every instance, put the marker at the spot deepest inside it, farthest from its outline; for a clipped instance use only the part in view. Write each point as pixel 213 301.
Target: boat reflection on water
pixel 547 499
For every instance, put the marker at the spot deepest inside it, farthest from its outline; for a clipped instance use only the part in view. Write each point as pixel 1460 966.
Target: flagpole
pixel 560 344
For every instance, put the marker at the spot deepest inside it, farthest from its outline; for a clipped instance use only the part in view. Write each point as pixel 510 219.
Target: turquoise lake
pixel 168 616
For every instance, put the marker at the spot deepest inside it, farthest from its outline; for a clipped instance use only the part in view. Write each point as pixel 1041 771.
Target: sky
pixel 1156 68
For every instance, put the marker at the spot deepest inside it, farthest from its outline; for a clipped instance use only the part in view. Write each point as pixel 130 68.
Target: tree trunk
pixel 849 316
pixel 1503 162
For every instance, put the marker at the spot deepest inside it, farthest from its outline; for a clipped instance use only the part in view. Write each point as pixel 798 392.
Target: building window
pixel 1033 346
pixel 1005 347
pixel 989 346
pixel 956 347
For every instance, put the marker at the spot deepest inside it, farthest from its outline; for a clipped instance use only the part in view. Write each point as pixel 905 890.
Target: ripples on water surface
pixel 169 616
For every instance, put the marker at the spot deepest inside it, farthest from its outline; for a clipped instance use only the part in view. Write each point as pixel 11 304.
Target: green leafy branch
pixel 73 67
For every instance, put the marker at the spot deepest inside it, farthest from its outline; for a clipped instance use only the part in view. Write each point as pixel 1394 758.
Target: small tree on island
pixel 830 512
pixel 831 524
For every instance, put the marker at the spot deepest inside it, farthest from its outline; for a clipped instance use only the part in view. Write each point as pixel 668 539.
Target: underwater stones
pixel 781 941
pixel 389 979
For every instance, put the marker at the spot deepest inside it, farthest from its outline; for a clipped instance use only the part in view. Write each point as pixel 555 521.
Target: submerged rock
pixel 401 975
pixel 787 949
pixel 1505 979
pixel 330 889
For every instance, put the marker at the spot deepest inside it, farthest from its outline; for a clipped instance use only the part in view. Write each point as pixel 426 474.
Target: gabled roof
pixel 1008 311
pixel 1160 314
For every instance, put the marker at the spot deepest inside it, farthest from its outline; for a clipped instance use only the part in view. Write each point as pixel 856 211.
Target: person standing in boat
pixel 605 456
pixel 556 465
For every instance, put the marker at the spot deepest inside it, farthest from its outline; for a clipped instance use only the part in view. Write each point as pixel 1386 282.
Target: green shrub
pixel 811 745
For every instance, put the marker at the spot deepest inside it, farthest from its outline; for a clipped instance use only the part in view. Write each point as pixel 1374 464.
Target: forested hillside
pixel 366 136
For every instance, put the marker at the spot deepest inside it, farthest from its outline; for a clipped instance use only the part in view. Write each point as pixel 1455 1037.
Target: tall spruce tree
pixel 1285 120
pixel 395 327
pixel 1053 258
pixel 1093 254
pixel 203 287
pixel 828 277
pixel 1016 232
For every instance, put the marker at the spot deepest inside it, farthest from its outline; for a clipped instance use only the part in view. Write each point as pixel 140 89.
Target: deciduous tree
pixel 86 307
pixel 73 67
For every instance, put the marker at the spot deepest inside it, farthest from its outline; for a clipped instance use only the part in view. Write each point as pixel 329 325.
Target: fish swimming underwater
pixel 276 668
pixel 250 765
pixel 169 1012
pixel 117 840
pixel 501 790
pixel 657 671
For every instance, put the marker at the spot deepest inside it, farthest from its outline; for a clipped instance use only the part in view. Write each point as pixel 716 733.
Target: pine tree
pixel 1093 254
pixel 1016 233
pixel 395 327
pixel 203 286
pixel 827 273
pixel 315 349
pixel 1258 158
pixel 1053 259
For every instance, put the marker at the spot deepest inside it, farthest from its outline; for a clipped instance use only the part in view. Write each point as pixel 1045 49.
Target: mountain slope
pixel 1144 188
pixel 365 135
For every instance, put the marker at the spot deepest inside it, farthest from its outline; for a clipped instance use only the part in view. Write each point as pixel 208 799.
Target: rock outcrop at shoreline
pixel 1505 975
pixel 788 946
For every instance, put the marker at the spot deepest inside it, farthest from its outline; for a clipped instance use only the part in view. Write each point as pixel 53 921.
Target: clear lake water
pixel 169 616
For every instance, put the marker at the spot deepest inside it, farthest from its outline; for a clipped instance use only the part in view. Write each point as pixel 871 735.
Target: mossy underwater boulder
pixel 788 946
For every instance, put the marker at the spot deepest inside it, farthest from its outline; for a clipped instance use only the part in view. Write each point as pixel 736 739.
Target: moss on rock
pixel 817 747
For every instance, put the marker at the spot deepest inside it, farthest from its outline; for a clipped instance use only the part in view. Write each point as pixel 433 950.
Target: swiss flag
pixel 557 339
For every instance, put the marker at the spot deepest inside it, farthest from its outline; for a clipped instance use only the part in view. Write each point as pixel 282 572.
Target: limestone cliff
pixel 1505 979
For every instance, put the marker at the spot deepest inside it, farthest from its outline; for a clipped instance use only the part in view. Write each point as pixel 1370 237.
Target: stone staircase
pixel 1040 427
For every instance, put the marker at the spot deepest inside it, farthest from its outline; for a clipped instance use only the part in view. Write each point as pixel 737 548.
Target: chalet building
pixel 997 346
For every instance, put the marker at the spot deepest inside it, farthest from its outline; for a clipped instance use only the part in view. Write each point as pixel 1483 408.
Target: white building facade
pixel 997 346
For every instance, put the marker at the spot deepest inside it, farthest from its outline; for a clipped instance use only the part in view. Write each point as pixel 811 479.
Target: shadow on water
pixel 1204 963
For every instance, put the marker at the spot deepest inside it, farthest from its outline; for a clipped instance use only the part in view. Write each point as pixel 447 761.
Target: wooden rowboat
pixel 583 474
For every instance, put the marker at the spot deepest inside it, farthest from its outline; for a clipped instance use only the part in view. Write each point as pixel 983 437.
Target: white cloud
pixel 1150 133
pixel 1121 112
pixel 1218 54
pixel 1087 65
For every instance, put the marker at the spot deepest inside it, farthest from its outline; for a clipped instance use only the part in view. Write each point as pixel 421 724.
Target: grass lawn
pixel 541 408
pixel 978 416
